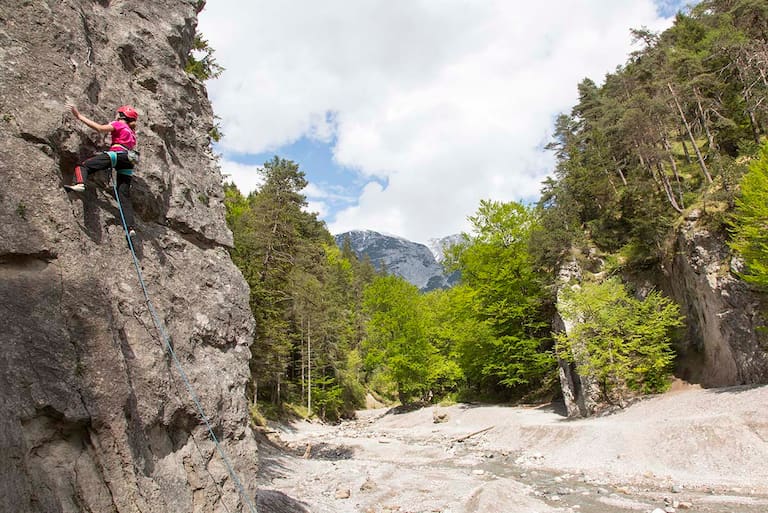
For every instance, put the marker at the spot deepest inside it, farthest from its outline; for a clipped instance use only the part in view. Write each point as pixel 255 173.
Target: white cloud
pixel 448 101
pixel 246 177
pixel 318 207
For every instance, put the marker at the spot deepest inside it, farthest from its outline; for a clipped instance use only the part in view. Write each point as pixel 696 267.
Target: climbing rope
pixel 161 329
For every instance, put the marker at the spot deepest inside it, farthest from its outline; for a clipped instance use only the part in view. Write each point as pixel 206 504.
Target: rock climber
pixel 121 156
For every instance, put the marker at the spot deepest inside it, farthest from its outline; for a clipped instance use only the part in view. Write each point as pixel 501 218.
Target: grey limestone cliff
pixel 93 415
pixel 726 342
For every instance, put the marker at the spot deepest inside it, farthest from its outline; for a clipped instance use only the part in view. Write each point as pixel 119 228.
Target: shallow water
pixel 581 493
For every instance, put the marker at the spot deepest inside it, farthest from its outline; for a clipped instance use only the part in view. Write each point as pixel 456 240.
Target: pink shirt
pixel 122 135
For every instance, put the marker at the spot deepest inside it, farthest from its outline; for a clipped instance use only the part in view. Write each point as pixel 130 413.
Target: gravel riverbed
pixel 688 450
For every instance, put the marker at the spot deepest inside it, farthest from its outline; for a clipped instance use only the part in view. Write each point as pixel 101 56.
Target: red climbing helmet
pixel 128 112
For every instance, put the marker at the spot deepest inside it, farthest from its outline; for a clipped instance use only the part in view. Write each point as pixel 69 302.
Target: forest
pixel 681 126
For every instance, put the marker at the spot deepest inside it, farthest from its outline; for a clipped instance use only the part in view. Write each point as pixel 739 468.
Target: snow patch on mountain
pixel 414 262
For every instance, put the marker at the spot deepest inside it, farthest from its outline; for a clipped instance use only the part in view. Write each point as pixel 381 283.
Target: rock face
pixel 411 261
pixel 93 415
pixel 581 392
pixel 439 246
pixel 726 342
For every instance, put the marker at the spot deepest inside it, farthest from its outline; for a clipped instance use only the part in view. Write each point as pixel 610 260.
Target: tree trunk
pixel 702 165
pixel 668 187
pixel 620 172
pixel 752 121
pixel 277 389
pixel 309 367
pixel 672 162
pixel 705 122
pixel 685 146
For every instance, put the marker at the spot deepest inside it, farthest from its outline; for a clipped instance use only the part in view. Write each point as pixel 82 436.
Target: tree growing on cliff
pixel 201 63
pixel 750 222
pixel 624 342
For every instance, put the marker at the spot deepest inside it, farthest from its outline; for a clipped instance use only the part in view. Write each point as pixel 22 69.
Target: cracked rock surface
pixel 93 414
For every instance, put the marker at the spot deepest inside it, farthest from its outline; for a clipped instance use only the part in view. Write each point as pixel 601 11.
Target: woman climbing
pixel 121 156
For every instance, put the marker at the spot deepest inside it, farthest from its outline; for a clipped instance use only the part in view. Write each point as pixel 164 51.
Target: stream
pixel 366 466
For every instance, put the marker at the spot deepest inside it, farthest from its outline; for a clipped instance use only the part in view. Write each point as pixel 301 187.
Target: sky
pixel 404 115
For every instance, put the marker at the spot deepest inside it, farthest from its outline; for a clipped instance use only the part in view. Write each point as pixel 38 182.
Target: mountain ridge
pixel 417 263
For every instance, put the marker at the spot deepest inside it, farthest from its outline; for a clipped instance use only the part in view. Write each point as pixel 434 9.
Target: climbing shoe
pixel 77 187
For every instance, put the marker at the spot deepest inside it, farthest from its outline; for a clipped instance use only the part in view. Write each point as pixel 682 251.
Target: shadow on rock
pixel 735 389
pixel 272 501
pixel 325 451
pixel 407 408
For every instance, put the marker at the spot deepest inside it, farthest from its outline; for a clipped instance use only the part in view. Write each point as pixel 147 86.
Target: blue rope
pixel 166 340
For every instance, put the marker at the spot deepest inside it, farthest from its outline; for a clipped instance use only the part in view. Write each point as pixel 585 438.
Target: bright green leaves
pixel 396 342
pixel 750 222
pixel 620 341
pixel 503 300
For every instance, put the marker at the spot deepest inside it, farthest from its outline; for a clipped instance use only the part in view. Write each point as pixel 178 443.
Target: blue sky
pixel 404 115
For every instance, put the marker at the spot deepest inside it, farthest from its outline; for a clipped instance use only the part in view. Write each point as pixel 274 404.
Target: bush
pixel 622 342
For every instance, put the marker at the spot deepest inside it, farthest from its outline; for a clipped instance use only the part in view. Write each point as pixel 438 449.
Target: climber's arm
pixel 90 122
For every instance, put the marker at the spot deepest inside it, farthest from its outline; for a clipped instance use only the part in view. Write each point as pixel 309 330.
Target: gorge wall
pixel 725 341
pixel 93 415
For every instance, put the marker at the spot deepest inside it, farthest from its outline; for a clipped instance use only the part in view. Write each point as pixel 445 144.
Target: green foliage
pixel 306 297
pixel 21 210
pixel 395 340
pixel 662 134
pixel 327 398
pixel 502 301
pixel 200 62
pixel 622 342
pixel 750 222
pixel 215 132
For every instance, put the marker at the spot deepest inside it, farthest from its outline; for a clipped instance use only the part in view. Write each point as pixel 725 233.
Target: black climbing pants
pixel 102 162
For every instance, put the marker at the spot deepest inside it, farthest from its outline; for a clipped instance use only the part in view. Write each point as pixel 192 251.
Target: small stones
pixel 368 485
pixel 439 417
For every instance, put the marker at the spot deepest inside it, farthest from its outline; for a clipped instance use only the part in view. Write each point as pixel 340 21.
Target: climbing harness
pixel 133 156
pixel 161 329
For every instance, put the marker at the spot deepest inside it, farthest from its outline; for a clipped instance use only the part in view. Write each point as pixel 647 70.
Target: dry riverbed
pixel 688 450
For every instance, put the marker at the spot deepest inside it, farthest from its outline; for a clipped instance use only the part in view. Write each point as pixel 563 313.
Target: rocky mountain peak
pixel 440 245
pixel 414 262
